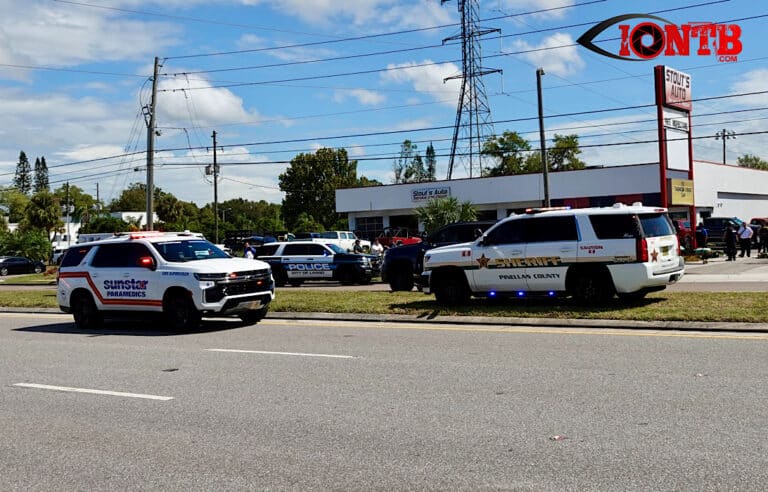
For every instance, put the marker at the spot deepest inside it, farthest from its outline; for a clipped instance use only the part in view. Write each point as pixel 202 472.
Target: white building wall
pixel 730 191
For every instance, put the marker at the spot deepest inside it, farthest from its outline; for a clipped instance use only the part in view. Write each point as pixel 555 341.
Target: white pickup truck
pixel 343 239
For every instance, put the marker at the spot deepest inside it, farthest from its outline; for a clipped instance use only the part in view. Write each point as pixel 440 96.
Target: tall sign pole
pixel 151 149
pixel 542 138
pixel 215 191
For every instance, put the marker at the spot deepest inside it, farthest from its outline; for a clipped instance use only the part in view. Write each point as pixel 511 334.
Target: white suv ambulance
pixel 180 275
pixel 590 254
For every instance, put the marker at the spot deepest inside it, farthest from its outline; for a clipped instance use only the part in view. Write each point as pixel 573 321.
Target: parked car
pixel 19 264
pixel 684 235
pixel 716 229
pixel 402 266
pixel 343 239
pixel 295 262
pixel 397 236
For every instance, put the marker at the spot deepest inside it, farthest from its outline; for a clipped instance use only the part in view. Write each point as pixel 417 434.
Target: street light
pixel 724 135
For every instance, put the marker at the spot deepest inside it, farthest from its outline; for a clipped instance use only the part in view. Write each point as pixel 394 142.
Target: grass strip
pixel 749 307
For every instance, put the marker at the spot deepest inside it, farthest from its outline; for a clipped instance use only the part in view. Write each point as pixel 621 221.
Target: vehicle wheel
pixel 593 288
pixel 38 269
pixel 453 290
pixel 253 317
pixel 401 280
pixel 3 271
pixel 180 311
pixel 632 296
pixel 281 278
pixel 296 283
pixel 347 276
pixel 85 312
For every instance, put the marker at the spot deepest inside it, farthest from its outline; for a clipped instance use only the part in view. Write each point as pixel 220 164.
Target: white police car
pixel 180 275
pixel 590 254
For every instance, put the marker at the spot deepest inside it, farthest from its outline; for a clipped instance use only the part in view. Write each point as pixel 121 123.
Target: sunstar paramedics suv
pixel 180 275
pixel 590 254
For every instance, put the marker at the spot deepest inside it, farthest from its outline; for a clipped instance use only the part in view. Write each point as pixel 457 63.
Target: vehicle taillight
pixel 642 250
pixel 679 252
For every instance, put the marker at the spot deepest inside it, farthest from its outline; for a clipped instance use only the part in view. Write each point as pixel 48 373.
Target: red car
pixel 684 234
pixel 397 236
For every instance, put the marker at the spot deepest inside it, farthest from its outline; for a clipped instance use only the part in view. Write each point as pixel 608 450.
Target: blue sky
pixel 275 78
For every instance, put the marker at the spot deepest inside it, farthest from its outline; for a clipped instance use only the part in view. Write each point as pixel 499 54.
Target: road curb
pixel 491 321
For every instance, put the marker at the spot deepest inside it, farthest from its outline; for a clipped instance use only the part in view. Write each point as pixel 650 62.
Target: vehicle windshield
pixel 655 225
pixel 189 250
pixel 336 248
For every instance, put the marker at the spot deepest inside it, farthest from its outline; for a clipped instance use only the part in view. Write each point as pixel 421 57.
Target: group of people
pixel 741 238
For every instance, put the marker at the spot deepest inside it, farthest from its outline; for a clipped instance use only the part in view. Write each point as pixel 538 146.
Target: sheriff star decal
pixel 483 261
pixel 655 256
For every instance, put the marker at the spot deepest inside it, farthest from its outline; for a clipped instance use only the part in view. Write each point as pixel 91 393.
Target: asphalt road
pixel 360 406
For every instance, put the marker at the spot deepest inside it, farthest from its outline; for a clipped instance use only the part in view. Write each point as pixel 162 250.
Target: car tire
pixel 38 269
pixel 180 312
pixel 593 288
pixel 3 272
pixel 401 280
pixel 347 276
pixel 254 316
pixel 85 312
pixel 281 278
pixel 452 291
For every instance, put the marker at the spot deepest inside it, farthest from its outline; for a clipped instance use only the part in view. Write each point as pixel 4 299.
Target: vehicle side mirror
pixel 478 233
pixel 484 240
pixel 147 262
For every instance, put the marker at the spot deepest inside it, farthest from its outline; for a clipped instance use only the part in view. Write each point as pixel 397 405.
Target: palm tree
pixel 442 211
pixel 43 212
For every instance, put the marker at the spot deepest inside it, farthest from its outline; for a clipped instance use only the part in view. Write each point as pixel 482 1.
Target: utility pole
pixel 215 191
pixel 473 114
pixel 69 239
pixel 542 138
pixel 724 135
pixel 98 201
pixel 151 148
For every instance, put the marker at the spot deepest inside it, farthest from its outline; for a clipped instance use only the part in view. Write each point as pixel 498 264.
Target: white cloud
pixel 560 61
pixel 363 13
pixel 427 78
pixel 753 81
pixel 531 5
pixel 197 103
pixel 364 96
pixel 81 34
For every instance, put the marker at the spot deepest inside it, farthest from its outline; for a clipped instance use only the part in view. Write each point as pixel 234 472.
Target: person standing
pixel 377 248
pixel 357 248
pixel 745 239
pixel 701 235
pixel 764 239
pixel 730 239
pixel 249 252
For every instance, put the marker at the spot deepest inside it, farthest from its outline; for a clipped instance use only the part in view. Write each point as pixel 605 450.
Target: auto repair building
pixel 718 190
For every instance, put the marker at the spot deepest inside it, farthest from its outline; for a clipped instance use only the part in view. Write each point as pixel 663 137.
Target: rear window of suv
pixel 614 226
pixel 655 225
pixel 73 256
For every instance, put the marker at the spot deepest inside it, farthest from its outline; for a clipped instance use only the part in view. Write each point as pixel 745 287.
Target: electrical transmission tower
pixel 473 115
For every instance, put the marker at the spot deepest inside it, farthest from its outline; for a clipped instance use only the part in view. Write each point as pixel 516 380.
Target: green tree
pixel 22 180
pixel 563 155
pixel 31 243
pixel 310 184
pixel 512 153
pixel 82 205
pixel 15 202
pixel 365 182
pixel 307 223
pixel 133 198
pixel 752 161
pixel 41 175
pixel 442 211
pixel 43 213
pixel 104 224
pixel 431 163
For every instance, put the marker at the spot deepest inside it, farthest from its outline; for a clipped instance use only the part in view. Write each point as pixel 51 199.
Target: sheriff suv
pixel 294 262
pixel 180 275
pixel 590 254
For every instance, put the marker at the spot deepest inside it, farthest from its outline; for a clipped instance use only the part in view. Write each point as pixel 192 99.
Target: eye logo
pixel 647 39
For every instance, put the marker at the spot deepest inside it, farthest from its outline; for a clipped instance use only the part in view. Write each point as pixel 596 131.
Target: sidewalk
pixel 719 270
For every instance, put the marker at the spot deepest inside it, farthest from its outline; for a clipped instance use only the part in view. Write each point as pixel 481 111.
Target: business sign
pixel 676 120
pixel 430 193
pixel 681 191
pixel 677 89
pixel 645 40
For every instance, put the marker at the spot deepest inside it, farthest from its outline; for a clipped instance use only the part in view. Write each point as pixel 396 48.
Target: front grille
pixel 243 283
